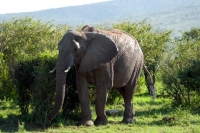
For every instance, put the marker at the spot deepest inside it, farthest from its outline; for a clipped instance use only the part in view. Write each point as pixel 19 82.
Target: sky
pixel 16 6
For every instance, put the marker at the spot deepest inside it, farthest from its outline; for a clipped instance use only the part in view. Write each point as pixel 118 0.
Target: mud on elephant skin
pixel 107 59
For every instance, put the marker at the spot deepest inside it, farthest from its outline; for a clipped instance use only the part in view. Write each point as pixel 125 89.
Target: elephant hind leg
pixel 127 92
pixel 129 114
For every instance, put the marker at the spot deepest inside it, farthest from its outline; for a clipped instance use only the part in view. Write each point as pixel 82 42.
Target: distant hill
pixel 166 14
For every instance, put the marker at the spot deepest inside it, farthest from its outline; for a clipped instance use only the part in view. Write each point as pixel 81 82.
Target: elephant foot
pixel 86 123
pixel 98 122
pixel 129 120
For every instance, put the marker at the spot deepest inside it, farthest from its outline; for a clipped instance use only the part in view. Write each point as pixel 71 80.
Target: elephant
pixel 105 58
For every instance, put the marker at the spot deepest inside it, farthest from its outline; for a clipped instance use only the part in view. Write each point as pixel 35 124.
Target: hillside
pixel 170 14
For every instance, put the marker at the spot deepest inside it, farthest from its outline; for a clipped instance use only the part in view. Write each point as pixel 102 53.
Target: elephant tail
pixel 150 84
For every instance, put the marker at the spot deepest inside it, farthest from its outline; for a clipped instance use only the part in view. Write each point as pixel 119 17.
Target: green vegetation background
pixel 28 50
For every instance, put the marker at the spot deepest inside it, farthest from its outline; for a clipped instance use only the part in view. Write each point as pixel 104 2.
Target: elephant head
pixel 88 28
pixel 87 50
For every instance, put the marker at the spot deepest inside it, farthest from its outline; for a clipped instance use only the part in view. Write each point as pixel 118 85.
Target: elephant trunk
pixel 60 91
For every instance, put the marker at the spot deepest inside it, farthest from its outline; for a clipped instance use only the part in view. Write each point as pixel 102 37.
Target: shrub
pixel 36 89
pixel 24 75
pixel 182 86
pixel 23 39
pixel 7 88
pixel 190 79
pixel 181 74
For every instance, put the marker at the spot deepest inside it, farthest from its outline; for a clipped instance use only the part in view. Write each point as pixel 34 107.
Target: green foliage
pixel 190 77
pixel 35 85
pixel 23 39
pixel 113 96
pixel 181 73
pixel 36 89
pixel 179 116
pixel 7 89
pixel 158 116
pixel 21 128
pixel 28 50
pixel 23 79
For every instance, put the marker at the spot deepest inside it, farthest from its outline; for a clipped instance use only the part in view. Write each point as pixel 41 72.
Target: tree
pixel 23 39
pixel 181 72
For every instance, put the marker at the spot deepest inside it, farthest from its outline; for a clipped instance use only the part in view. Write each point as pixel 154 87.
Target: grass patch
pixel 158 116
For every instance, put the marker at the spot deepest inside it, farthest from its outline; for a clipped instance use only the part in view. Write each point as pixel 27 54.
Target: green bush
pixel 190 79
pixel 190 76
pixel 183 85
pixel 181 74
pixel 113 95
pixel 28 50
pixel 36 89
pixel 23 39
pixel 7 88
pixel 24 75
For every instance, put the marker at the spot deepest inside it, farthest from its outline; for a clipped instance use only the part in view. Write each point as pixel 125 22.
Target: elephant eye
pixel 75 49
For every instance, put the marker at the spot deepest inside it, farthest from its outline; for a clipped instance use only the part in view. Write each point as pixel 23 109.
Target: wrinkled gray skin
pixel 107 59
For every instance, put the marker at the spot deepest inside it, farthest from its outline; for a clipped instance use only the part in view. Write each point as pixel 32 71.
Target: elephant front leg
pixel 86 118
pixel 82 87
pixel 100 105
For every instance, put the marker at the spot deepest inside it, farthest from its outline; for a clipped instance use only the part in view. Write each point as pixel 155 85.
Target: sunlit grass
pixel 151 117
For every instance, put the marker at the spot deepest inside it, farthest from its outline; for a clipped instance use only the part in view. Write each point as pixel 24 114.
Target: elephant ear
pixel 101 49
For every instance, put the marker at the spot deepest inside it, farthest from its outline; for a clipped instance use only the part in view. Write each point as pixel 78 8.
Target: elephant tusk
pixel 67 70
pixel 53 70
